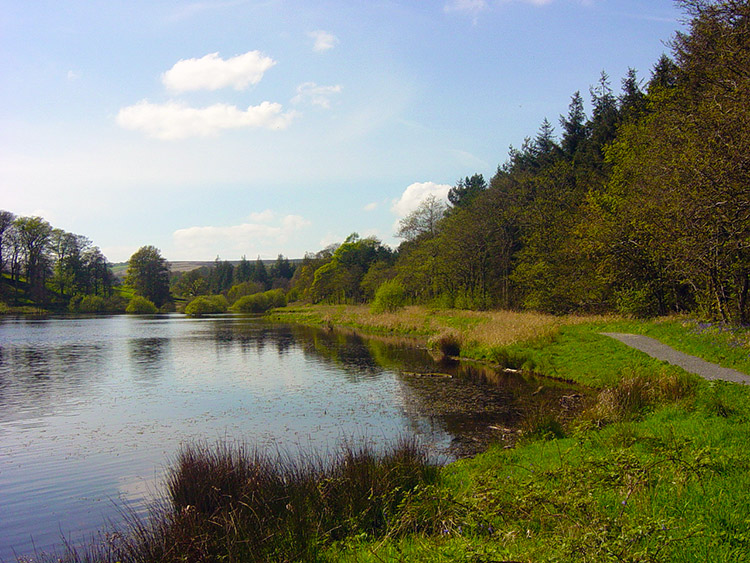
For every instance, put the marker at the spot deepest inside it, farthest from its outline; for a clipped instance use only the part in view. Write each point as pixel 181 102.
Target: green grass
pixel 673 485
pixel 714 342
pixel 580 353
pixel 656 470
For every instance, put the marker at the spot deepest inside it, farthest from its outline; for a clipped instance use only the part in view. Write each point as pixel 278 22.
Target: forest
pixel 641 208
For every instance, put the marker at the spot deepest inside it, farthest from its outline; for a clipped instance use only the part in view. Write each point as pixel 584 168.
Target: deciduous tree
pixel 148 274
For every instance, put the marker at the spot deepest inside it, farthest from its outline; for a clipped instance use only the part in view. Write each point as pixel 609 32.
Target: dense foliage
pixel 46 266
pixel 148 275
pixel 643 207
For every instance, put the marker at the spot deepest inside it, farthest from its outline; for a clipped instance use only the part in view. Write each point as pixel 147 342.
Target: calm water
pixel 93 409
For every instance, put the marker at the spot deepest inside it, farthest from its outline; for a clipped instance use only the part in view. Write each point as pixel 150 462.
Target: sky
pixel 254 128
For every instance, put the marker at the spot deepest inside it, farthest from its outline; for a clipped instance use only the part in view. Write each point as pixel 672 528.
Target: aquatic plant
pixel 234 502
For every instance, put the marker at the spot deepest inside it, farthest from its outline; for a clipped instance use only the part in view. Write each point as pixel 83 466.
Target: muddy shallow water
pixel 93 409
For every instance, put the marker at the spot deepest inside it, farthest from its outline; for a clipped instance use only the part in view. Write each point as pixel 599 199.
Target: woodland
pixel 640 206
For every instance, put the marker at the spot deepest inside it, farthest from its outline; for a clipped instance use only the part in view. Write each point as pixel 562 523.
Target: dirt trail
pixel 693 364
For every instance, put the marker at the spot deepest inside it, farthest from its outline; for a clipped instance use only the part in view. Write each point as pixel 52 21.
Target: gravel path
pixel 693 364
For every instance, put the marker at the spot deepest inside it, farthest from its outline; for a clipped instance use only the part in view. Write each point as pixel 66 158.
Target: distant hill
pixel 120 269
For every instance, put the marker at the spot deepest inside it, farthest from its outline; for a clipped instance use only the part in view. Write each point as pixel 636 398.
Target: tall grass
pixel 231 502
pixel 479 328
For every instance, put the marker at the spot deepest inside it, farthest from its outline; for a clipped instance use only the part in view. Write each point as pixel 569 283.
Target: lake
pixel 93 409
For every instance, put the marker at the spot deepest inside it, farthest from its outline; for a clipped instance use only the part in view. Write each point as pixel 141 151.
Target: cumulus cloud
pixel 415 194
pixel 263 236
pixel 314 95
pixel 211 72
pixel 371 206
pixel 323 40
pixel 177 120
pixel 263 216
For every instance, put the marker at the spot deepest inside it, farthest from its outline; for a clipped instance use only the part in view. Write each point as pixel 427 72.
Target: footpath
pixel 693 364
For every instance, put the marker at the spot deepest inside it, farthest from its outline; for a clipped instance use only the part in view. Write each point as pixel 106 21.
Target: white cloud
pixel 73 75
pixel 329 239
pixel 246 239
pixel 211 72
pixel 314 95
pixel 475 7
pixel 371 206
pixel 177 120
pixel 263 216
pixel 294 223
pixel 323 40
pixel 415 194
pixel 471 7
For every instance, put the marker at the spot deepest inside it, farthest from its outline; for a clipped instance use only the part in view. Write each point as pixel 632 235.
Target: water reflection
pixel 91 409
pixel 149 357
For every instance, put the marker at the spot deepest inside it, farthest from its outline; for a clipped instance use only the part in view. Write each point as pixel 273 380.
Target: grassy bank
pixel 655 469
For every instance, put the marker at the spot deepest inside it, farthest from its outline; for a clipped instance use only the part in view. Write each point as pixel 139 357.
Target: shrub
pixel 638 302
pixel 508 357
pixel 4 309
pixel 474 301
pixel 92 304
pixel 542 423
pixel 260 302
pixel 448 344
pixel 243 289
pixel 206 305
pixel 246 505
pixel 97 304
pixel 140 306
pixel 235 503
pixel 389 298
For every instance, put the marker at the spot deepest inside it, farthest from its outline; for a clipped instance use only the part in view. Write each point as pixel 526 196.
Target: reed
pixel 231 502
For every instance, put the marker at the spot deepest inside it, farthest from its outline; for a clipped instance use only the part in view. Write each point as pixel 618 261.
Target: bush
pixel 447 344
pixel 97 304
pixel 638 302
pixel 510 358
pixel 92 304
pixel 206 305
pixel 243 289
pixel 260 302
pixel 389 298
pixel 246 505
pixel 140 306
pixel 4 309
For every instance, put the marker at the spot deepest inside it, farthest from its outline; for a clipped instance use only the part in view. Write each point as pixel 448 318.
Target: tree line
pixel 43 265
pixel 641 207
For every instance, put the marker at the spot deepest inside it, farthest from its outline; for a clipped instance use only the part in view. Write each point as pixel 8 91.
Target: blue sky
pixel 248 127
